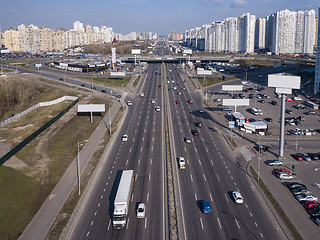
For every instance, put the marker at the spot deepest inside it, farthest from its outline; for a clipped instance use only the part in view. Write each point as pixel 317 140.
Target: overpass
pixel 176 59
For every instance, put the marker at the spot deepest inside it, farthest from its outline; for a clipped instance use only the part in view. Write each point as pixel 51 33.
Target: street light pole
pixel 259 158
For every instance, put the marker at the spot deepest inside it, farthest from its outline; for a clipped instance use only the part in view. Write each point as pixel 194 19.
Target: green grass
pixel 137 81
pixel 296 235
pixel 108 81
pixel 208 81
pixel 18 195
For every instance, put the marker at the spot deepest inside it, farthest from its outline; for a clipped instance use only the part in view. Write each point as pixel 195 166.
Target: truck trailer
pixel 122 200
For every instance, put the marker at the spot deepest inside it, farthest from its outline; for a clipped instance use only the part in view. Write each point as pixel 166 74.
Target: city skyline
pixel 125 16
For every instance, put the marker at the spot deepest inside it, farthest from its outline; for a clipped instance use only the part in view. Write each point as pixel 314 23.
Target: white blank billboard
pixel 204 72
pixel 232 87
pixel 135 51
pixel 119 74
pixel 91 108
pixel 235 102
pixel 284 81
pixel 188 51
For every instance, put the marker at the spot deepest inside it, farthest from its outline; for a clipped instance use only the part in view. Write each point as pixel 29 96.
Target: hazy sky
pixel 160 16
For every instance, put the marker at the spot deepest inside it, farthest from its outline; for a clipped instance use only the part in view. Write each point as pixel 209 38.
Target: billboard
pixel 135 51
pixel 235 102
pixel 91 108
pixel 187 51
pixel 204 72
pixel 284 81
pixel 232 87
pixel 118 74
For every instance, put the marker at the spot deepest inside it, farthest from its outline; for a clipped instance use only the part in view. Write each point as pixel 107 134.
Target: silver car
pixel 306 157
pixel 306 197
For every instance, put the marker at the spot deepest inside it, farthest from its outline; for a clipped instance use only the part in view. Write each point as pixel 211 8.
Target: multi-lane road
pixel 211 173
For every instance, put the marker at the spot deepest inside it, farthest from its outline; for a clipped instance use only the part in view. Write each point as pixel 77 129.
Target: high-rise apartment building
pixel 78 26
pixel 12 40
pixel 260 34
pixel 88 30
pixel 317 72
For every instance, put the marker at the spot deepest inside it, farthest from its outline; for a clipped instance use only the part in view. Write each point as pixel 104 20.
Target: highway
pixel 143 152
pixel 211 173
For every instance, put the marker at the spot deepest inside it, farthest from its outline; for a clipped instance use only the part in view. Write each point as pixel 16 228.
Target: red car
pixel 177 102
pixel 288 100
pixel 190 101
pixel 311 204
pixel 195 132
pixel 282 170
pixel 297 156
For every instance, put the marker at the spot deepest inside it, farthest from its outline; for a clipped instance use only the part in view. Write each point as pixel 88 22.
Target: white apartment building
pixel 260 34
pixel 78 26
pixel 29 38
pixel 247 32
pixel 317 72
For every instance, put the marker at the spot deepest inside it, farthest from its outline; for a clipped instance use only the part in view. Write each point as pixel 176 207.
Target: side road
pixel 45 217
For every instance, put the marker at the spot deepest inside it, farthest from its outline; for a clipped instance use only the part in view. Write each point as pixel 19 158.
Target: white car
pixel 124 138
pixel 306 197
pixel 141 210
pixel 153 101
pixel 237 197
pixel 141 95
pixel 129 103
pixel 157 108
pixel 285 176
pixel 306 157
pixel 182 163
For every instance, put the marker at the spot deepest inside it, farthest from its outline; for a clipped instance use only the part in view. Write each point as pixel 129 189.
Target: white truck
pixel 122 200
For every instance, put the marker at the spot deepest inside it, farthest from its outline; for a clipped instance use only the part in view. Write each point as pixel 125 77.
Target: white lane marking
pixel 252 188
pixel 226 197
pixel 145 223
pixel 201 223
pixel 132 197
pixel 211 197
pixel 204 176
pixel 199 161
pixel 245 204
pixel 95 213
pixel 109 225
pixel 237 222
pixel 235 183
pixel 147 197
pixel 261 235
pixel 130 149
pixel 229 172
pixel 231 177
pixel 110 172
pixel 127 162
pixel 91 223
pixel 207 150
pixel 188 161
pixel 141 149
pixel 218 178
pixel 107 183
pixel 136 178
pixel 151 161
pixel 101 197
pixel 98 204
pixel 139 162
pixel 185 149
pixel 256 224
pixel 250 214
pixel 143 139
pixel 149 176
pixel 88 234
pixel 202 140
pixel 152 149
pixel 211 162
pixel 219 223
pixel 127 224
pixel 104 189
pixel 191 177
pixel 195 196
pixel 132 139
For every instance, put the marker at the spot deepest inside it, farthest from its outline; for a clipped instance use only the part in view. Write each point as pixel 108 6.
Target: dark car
pixel 297 156
pixel 205 207
pixel 294 185
pixel 83 85
pixel 315 212
pixel 195 132
pixel 313 156
pixel 274 103
pixel 262 148
pixel 288 111
pixel 198 124
pixel 268 119
pixel 251 120
pixel 311 113
pixel 103 91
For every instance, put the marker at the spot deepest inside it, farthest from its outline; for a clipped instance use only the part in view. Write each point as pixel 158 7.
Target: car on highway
pixel 129 103
pixel 268 119
pixel 198 124
pixel 187 139
pixel 285 176
pixel 103 91
pixel 305 157
pixel 174 88
pixel 205 206
pixel 182 163
pixel 169 89
pixel 274 162
pixel 190 101
pixel 179 93
pixel 315 212
pixel 177 102
pixel 294 185
pixel 217 100
pixel 306 197
pixel 311 204
pixel 201 110
pixel 153 101
pixel 297 156
pixel 141 210
pixel 141 95
pixel 195 132
pixel 157 108
pixel 124 138
pixel 237 197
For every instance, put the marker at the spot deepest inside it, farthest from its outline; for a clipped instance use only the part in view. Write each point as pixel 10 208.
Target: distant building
pixel 78 26
pixel 317 76
pixel 88 30
pixel 260 34
pixel 177 36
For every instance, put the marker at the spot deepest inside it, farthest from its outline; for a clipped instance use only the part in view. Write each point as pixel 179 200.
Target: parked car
pixel 237 197
pixel 141 210
pixel 311 204
pixel 282 170
pixel 311 113
pixel 274 103
pixel 315 212
pixel 297 156
pixel 313 156
pixel 274 163
pixel 285 176
pixel 306 157
pixel 268 119
pixel 262 148
pixel 201 110
pixel 288 111
pixel 306 197
pixel 300 190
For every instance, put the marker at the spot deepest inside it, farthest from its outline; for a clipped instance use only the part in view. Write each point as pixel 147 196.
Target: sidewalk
pixel 46 215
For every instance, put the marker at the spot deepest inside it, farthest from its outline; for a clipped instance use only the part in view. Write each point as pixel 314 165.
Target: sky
pixel 125 16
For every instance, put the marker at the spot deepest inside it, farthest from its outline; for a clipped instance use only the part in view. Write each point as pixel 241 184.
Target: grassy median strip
pixel 136 81
pixel 296 235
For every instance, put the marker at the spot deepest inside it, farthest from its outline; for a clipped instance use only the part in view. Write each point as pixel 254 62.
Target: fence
pixel 21 145
pixel 5 122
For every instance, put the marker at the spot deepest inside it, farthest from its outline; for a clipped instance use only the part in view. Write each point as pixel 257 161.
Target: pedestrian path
pixel 248 153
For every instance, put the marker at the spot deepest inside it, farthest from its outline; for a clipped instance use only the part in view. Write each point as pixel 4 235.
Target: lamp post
pixel 259 158
pixel 78 162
